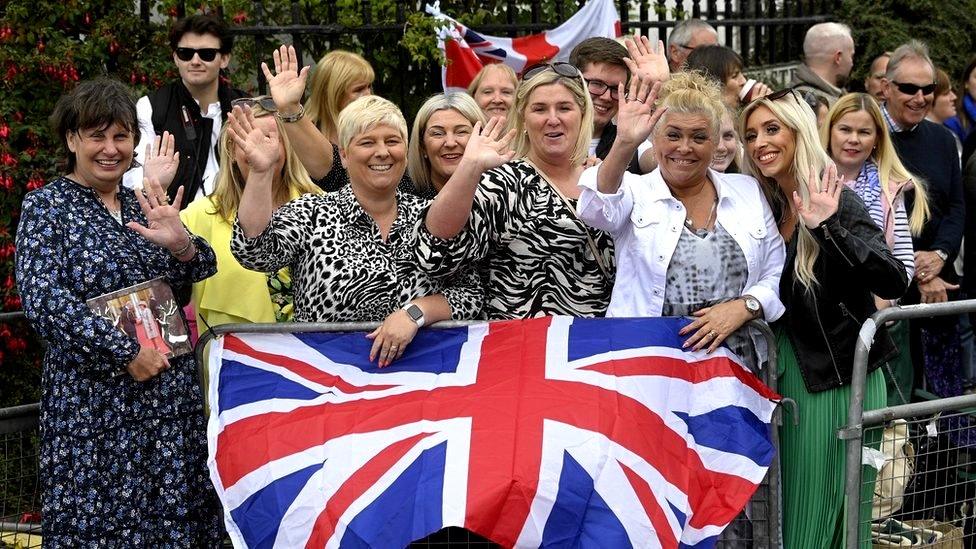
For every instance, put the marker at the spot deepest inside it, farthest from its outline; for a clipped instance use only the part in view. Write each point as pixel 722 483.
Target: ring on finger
pixel 712 333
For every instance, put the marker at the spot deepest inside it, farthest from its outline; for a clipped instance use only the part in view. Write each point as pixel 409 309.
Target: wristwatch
pixel 416 314
pixel 942 255
pixel 752 305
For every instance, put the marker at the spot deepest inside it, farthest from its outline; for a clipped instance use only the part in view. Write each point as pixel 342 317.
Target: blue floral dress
pixel 123 463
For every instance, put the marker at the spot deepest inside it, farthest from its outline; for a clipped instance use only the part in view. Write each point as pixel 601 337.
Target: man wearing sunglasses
pixel 193 108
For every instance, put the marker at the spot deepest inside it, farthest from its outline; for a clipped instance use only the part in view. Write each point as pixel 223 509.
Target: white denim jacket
pixel 646 222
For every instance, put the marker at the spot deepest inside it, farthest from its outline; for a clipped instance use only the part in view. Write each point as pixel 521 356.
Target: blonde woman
pixel 236 294
pixel 709 240
pixel 520 217
pixel 340 78
pixel 351 251
pixel 493 88
pixel 440 133
pixel 836 258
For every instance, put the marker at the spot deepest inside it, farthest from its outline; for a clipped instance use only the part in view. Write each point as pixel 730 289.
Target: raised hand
pixel 487 148
pixel 163 226
pixel 645 61
pixel 287 83
pixel 260 146
pixel 162 160
pixel 824 198
pixel 636 115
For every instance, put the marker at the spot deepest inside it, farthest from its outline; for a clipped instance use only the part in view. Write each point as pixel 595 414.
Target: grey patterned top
pixel 708 268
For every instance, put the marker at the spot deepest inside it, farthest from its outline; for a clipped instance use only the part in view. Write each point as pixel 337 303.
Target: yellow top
pixel 234 294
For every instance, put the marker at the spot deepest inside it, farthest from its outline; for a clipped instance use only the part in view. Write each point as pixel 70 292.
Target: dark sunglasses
pixel 599 87
pixel 783 93
pixel 264 101
pixel 912 89
pixel 206 54
pixel 562 69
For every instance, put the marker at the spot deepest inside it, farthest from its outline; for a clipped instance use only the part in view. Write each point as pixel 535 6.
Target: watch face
pixel 752 305
pixel 415 312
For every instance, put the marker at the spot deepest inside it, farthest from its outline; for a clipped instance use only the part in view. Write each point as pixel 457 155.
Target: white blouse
pixel 646 221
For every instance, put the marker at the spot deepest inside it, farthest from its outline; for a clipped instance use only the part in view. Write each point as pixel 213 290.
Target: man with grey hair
pixel 828 57
pixel 928 150
pixel 686 36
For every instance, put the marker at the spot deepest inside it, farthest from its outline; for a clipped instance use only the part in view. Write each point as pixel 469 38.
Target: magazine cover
pixel 147 312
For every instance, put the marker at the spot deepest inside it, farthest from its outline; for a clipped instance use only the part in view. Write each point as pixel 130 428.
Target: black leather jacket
pixel 823 324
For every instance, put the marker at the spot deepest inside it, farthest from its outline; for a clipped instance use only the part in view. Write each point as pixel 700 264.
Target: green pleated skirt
pixel 813 458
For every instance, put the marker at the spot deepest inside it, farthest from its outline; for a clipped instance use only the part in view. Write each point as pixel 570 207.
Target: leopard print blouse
pixel 342 271
pixel 534 249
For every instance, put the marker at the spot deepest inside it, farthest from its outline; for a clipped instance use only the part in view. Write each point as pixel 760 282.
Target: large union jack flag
pixel 552 431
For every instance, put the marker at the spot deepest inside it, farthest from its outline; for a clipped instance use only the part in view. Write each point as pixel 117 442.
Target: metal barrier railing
pixel 909 506
pixel 19 495
pixel 765 518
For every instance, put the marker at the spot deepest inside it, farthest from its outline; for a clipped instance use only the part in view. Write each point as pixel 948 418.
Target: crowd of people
pixel 637 179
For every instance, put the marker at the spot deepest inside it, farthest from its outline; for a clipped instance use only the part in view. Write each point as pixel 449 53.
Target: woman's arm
pixel 62 318
pixel 486 149
pixel 770 261
pixel 391 339
pixel 287 86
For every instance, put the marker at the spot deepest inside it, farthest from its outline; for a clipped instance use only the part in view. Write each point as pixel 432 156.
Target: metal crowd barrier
pixel 762 530
pixel 925 492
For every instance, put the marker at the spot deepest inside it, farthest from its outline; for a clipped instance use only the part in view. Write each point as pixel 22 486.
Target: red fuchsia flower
pixel 17 344
pixel 12 303
pixel 4 131
pixel 35 182
pixel 6 182
pixel 240 17
pixel 9 282
pixel 8 159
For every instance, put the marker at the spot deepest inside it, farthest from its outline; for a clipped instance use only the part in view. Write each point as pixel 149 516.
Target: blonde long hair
pixel 226 197
pixel 335 72
pixel 796 115
pixel 418 165
pixel 890 168
pixel 582 98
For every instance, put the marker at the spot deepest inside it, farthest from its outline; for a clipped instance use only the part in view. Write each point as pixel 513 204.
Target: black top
pixel 607 138
pixel 823 324
pixel 193 139
pixel 929 151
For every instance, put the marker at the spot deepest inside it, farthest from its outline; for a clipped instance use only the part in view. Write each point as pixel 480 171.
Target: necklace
pixel 708 221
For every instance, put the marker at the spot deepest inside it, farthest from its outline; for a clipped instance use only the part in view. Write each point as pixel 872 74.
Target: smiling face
pixel 552 122
pixel 874 83
pixel 495 94
pixel 604 105
pixel 909 110
pixel 102 155
pixel 376 159
pixel 728 146
pixel 266 124
pixel 683 147
pixel 769 143
pixel 446 136
pixel 852 139
pixel 196 72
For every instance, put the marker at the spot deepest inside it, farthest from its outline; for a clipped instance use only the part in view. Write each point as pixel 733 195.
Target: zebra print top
pixel 534 249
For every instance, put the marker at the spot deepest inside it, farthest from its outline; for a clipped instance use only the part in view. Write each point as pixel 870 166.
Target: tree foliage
pixel 882 25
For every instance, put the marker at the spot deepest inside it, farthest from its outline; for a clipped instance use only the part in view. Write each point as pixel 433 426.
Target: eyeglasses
pixel 599 87
pixel 562 69
pixel 912 89
pixel 206 54
pixel 264 101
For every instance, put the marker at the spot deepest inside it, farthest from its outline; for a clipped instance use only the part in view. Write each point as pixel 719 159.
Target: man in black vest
pixel 193 108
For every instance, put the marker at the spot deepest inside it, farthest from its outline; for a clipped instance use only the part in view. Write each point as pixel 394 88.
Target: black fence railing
pixel 764 32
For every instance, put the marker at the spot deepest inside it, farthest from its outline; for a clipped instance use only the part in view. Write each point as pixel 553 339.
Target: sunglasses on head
pixel 781 94
pixel 562 69
pixel 206 54
pixel 912 89
pixel 265 102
